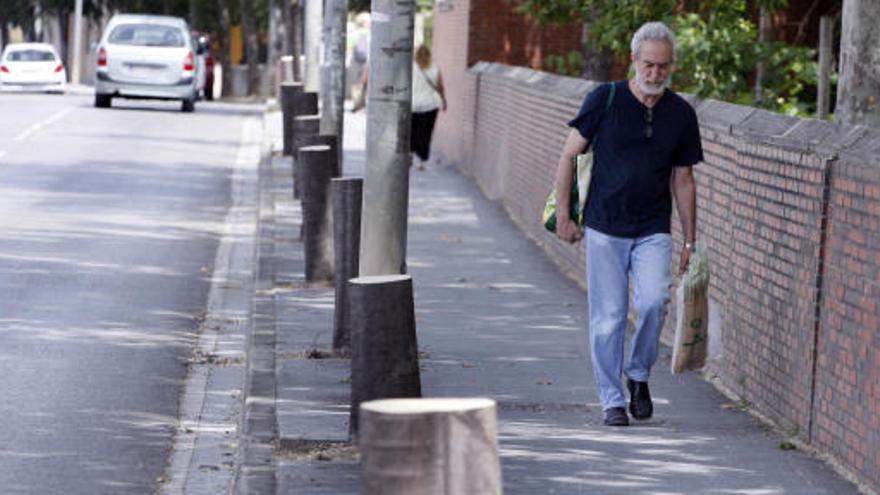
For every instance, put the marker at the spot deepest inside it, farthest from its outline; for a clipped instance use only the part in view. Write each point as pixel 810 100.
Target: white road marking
pixel 30 131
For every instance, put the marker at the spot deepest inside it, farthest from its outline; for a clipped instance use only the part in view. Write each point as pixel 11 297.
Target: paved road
pixel 109 226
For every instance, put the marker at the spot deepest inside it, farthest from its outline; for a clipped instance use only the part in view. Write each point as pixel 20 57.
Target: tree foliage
pixel 717 50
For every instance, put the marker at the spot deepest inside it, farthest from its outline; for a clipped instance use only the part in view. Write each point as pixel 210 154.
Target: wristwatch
pixel 690 246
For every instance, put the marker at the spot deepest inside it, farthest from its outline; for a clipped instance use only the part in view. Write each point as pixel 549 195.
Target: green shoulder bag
pixel 582 166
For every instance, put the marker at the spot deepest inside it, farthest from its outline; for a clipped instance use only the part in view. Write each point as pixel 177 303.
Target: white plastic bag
pixel 691 342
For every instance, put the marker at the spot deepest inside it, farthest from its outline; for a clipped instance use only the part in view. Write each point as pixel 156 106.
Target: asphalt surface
pixel 110 221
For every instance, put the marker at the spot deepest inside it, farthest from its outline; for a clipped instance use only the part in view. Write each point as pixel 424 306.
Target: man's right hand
pixel 568 230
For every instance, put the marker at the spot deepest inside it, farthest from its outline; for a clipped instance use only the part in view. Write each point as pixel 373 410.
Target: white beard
pixel 651 89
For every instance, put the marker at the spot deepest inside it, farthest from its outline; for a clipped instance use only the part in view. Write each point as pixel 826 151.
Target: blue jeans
pixel 610 262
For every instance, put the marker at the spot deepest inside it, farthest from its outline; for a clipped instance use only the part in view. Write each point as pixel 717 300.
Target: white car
pixel 147 57
pixel 31 67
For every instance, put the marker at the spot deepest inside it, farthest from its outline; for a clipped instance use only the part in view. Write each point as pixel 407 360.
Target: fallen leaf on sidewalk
pixel 742 405
pixel 448 238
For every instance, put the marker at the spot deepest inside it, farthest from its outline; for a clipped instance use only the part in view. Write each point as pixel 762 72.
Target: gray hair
pixel 652 31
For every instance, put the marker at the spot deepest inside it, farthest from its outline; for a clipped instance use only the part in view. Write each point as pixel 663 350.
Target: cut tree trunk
pixel 857 96
pixel 597 61
pixel 251 47
pixel 223 55
pixel 429 446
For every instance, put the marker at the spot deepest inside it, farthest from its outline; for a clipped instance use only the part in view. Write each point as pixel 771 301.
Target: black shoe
pixel 616 416
pixel 640 404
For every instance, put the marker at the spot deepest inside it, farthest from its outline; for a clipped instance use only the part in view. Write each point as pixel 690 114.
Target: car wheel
pixel 103 101
pixel 188 105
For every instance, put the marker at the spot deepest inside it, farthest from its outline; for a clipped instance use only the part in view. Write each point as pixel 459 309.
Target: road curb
pixel 257 442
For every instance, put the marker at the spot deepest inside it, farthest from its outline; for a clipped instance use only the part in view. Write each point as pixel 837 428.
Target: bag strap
pixel 610 97
pixel 608 102
pixel 428 80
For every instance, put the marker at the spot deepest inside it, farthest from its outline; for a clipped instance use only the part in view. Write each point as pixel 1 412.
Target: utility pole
pixel 857 101
pixel 77 42
pixel 386 182
pixel 313 45
pixel 333 70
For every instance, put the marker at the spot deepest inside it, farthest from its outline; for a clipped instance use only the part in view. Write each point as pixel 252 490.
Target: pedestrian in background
pixel 358 57
pixel 427 99
pixel 646 139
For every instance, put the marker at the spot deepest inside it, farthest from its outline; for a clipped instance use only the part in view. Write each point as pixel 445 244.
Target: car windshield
pixel 30 56
pixel 146 35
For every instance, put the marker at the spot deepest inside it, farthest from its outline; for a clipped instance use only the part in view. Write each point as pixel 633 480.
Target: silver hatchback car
pixel 147 57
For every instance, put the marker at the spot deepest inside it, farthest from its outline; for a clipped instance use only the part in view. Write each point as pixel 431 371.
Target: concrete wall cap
pixel 764 123
pixel 865 149
pixel 720 115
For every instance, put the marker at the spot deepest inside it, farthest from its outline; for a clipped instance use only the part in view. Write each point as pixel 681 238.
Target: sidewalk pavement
pixel 496 318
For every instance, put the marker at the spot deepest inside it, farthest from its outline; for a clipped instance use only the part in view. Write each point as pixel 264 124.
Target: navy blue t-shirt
pixel 629 189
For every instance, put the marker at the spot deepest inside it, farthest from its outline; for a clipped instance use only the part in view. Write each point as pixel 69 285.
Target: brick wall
pixel 498 34
pixel 789 211
pixel 847 398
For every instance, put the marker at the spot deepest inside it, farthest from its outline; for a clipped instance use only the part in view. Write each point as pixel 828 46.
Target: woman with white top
pixel 427 99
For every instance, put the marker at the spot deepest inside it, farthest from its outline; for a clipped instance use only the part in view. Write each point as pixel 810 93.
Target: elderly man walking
pixel 646 140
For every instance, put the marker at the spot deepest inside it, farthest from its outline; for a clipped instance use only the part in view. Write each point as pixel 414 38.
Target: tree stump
pixel 347 195
pixel 304 128
pixel 289 90
pixel 316 163
pixel 305 103
pixel 429 446
pixel 384 353
pixel 325 140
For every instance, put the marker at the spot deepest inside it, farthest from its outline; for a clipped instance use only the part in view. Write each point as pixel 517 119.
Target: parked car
pixel 147 57
pixel 31 67
pixel 206 64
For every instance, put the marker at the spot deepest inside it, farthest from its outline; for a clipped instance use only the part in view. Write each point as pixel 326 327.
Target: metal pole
pixel 77 41
pixel 386 182
pixel 333 70
pixel 313 45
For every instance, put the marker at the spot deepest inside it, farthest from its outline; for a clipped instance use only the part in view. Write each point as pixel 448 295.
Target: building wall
pixel 789 211
pixel 450 51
